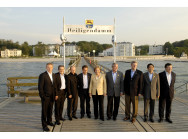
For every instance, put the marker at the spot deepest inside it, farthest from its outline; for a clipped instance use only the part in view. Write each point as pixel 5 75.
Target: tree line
pixel 176 48
pixel 40 48
pixel 9 44
pixel 86 47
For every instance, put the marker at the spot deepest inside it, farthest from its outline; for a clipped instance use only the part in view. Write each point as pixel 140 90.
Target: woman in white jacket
pixel 97 91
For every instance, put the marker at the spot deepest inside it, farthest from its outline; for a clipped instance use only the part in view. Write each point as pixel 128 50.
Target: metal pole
pixel 64 42
pixel 94 56
pixel 114 44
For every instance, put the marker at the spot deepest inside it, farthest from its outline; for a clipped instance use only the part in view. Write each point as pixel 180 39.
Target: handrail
pixel 180 88
pixel 105 69
pixel 94 63
pixel 67 71
pixel 181 85
pixel 12 82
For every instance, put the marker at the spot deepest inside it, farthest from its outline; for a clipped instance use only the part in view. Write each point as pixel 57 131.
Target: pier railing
pixel 14 84
pixel 95 63
pixel 181 89
pixel 14 87
pixel 75 63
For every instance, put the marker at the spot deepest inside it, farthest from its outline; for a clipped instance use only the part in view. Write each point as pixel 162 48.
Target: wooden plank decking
pixel 17 116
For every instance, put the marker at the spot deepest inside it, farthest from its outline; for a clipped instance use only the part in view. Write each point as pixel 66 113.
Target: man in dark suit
pixel 48 93
pixel 114 80
pixel 132 88
pixel 83 91
pixel 72 93
pixel 167 81
pixel 151 91
pixel 61 89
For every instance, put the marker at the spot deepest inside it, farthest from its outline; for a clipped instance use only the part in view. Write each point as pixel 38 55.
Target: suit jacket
pixel 133 86
pixel 81 84
pixel 165 89
pixel 98 85
pixel 114 88
pixel 46 87
pixel 58 82
pixel 72 85
pixel 151 88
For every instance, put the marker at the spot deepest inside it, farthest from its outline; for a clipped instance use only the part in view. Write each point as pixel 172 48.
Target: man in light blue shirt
pixel 114 74
pixel 114 80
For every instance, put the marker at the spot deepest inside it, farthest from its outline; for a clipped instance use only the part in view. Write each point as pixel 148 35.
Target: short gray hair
pixel 114 64
pixel 49 64
pixel 134 62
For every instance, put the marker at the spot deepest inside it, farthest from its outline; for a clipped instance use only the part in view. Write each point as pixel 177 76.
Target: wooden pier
pixel 17 116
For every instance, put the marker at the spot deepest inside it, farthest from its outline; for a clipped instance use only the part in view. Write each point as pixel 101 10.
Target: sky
pixel 137 25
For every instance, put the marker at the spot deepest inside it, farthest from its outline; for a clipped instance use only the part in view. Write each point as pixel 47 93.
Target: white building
pixel 70 50
pixel 156 49
pixel 11 53
pixel 48 49
pixel 122 49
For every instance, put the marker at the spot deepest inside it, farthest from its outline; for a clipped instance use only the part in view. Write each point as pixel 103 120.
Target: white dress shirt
pixel 62 81
pixel 150 76
pixel 50 75
pixel 85 81
pixel 169 78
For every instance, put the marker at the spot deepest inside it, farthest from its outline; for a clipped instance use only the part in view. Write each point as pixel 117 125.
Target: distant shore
pixel 106 58
pixel 141 58
pixel 31 59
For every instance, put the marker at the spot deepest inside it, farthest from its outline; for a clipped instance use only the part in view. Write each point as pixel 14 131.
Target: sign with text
pixel 89 28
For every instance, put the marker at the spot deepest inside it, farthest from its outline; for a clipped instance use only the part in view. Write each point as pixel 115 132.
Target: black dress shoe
pixel 102 119
pixel 109 118
pixel 96 117
pixel 151 120
pixel 82 116
pixel 169 120
pixel 145 119
pixel 160 120
pixel 62 119
pixel 114 118
pixel 70 118
pixel 74 117
pixel 50 123
pixel 46 129
pixel 57 123
pixel 89 115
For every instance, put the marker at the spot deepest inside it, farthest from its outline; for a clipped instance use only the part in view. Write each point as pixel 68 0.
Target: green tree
pixel 144 49
pixel 25 48
pixel 40 49
pixel 168 48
